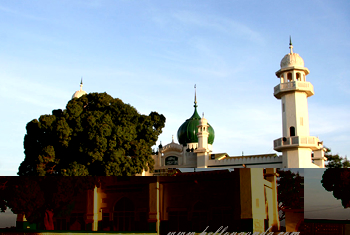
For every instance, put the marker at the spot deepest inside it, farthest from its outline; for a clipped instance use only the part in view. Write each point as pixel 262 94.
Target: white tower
pixel 293 90
pixel 203 147
pixel 203 135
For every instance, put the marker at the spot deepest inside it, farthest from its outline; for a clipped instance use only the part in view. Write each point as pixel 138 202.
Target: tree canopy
pixel 336 161
pixel 95 135
pixel 338 182
pixel 290 189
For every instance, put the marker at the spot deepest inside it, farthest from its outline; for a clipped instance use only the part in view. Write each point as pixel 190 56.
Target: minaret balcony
pixel 297 142
pixel 282 88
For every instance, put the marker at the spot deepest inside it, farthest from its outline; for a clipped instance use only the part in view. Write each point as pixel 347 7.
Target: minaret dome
pixel 292 59
pixel 80 92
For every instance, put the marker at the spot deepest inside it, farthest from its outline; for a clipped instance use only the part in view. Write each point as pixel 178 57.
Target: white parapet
pixel 293 86
pixel 254 161
pixel 283 143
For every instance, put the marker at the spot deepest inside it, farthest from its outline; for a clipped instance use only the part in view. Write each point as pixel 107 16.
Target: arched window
pixel 292 131
pixel 124 215
pixel 298 77
pixel 289 77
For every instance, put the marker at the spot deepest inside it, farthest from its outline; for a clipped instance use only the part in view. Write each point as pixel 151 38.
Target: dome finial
pixel 195 96
pixel 290 45
pixel 81 83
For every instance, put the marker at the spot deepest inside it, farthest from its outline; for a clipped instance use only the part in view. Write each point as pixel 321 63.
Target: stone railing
pixel 297 141
pixel 292 86
pixel 248 161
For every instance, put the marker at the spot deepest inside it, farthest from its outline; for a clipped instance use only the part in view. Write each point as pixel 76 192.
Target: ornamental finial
pixel 290 45
pixel 81 83
pixel 195 96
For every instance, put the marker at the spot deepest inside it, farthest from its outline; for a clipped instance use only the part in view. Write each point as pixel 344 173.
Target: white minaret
pixel 296 144
pixel 203 147
pixel 203 135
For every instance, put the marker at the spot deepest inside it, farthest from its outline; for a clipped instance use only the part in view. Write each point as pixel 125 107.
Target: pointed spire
pixel 195 96
pixel 290 45
pixel 81 84
pixel 203 115
pixel 172 137
pixel 195 113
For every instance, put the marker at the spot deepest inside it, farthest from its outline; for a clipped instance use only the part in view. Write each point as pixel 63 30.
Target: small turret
pixel 203 134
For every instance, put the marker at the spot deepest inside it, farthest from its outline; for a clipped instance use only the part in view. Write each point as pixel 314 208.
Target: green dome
pixel 187 132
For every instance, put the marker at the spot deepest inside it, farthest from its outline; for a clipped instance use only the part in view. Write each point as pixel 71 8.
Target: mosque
pixel 244 199
pixel 299 150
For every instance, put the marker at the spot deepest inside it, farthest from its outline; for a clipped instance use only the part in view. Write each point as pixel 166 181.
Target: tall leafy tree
pixel 95 135
pixel 338 182
pixel 336 161
pixel 290 191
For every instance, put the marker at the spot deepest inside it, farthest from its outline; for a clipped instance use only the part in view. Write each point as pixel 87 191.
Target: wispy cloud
pixel 204 55
pixel 219 24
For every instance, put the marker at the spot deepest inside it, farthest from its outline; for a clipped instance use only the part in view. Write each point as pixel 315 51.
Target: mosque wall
pixel 241 199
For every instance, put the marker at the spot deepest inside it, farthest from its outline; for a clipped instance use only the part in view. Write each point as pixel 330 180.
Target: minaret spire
pixel 290 45
pixel 195 96
pixel 81 83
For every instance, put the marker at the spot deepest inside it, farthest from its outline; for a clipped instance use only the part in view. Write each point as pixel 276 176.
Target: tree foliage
pixel 338 182
pixel 290 191
pixel 95 135
pixel 40 198
pixel 336 161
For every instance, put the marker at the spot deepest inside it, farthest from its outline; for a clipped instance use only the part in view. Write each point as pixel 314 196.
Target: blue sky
pixel 151 53
pixel 319 203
